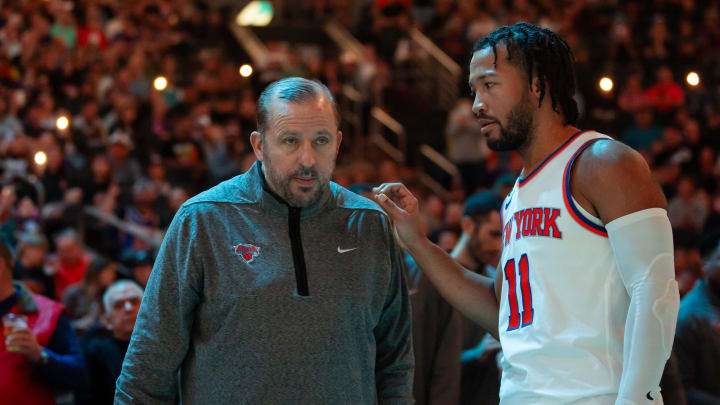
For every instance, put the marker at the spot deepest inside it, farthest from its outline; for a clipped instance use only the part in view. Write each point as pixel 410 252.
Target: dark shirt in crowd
pixel 697 343
pixel 436 341
pixel 104 357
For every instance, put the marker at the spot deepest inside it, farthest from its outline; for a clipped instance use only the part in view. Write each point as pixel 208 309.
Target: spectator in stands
pixel 141 213
pixel 89 134
pixel 446 238
pixel 665 95
pixel 687 258
pixel 83 301
pixel 99 178
pixel 659 48
pixel 388 171
pixel 41 358
pixel 632 97
pixel 643 133
pixel 479 250
pixel 697 337
pixel 454 212
pixel 178 196
pixel 466 147
pixel 30 266
pixel 183 155
pixel 65 28
pixel 140 263
pixel 70 261
pixel 57 174
pixel 124 168
pixel 105 349
pixel 432 213
pixel 436 340
pixel 689 208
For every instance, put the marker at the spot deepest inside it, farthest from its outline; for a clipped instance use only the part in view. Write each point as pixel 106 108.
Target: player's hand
pixel 23 341
pixel 403 209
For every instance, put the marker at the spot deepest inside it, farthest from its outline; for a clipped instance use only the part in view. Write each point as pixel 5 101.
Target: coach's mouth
pixel 305 181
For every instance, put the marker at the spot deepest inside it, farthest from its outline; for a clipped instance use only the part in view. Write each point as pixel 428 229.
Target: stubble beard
pixel 519 131
pixel 283 185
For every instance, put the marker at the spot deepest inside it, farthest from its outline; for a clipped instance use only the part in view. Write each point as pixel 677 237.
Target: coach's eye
pixel 489 84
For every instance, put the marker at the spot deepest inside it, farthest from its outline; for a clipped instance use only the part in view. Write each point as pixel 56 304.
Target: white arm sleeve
pixel 643 248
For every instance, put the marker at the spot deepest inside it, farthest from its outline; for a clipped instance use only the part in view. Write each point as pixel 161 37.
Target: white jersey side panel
pixel 563 305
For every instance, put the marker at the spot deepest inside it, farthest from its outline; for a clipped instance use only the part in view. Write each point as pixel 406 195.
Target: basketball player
pixel 585 301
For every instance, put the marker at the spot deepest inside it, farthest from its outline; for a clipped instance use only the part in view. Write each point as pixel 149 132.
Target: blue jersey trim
pixel 568 196
pixel 522 181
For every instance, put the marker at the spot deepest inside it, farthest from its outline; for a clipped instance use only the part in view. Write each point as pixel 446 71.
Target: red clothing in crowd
pixel 18 383
pixel 69 275
pixel 92 37
pixel 665 96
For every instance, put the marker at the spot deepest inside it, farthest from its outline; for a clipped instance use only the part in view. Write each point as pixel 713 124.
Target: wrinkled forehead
pixel 317 110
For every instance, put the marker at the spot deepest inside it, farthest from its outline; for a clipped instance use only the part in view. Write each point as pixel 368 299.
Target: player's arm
pixel 470 293
pixel 614 181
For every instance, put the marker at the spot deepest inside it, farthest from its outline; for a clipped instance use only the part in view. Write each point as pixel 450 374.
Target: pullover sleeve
pixel 162 332
pixel 394 361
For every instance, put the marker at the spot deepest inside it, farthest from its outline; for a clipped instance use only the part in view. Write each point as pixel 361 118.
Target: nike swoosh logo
pixel 649 397
pixel 345 250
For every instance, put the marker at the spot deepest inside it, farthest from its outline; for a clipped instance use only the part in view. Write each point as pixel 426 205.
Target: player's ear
pixel 536 87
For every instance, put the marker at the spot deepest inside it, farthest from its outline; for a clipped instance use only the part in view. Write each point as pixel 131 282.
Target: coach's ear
pixel 257 144
pixel 339 140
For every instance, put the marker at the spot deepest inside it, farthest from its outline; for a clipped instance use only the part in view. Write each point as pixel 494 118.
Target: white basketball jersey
pixel 563 305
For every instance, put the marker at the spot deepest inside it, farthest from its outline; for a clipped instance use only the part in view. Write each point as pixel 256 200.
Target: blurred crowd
pixel 95 159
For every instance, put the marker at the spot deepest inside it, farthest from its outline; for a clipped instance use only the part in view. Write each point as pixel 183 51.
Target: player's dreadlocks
pixel 543 54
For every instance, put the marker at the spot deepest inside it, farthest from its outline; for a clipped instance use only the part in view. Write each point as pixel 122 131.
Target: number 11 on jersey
pixel 511 275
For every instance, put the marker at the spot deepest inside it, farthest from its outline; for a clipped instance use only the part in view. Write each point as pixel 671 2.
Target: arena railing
pixel 443 73
pixel 151 236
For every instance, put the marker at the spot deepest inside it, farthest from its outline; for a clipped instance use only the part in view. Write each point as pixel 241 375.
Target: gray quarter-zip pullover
pixel 252 302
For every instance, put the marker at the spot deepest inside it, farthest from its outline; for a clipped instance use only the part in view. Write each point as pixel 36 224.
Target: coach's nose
pixel 307 153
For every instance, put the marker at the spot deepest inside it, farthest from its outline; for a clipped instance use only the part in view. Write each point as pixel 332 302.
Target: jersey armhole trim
pixel 522 181
pixel 577 215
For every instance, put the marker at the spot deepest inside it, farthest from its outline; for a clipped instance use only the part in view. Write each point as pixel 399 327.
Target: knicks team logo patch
pixel 247 251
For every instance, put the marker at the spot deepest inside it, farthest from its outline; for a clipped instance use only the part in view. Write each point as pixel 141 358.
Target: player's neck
pixel 546 140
